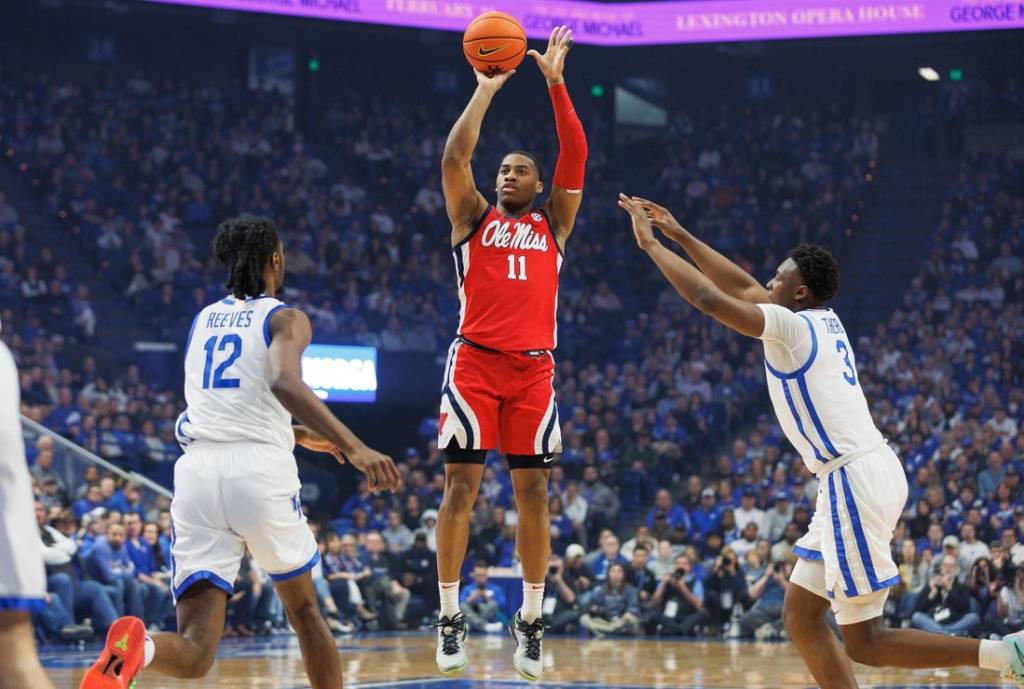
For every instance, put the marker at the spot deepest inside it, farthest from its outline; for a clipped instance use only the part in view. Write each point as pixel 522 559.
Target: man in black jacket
pixel 419 576
pixel 945 608
pixel 679 602
pixel 383 590
pixel 561 610
pixel 724 587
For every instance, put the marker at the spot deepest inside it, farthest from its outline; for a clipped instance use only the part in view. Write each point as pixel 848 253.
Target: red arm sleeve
pixel 572 141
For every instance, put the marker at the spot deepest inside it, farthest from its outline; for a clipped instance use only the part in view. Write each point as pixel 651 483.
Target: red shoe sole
pixel 126 644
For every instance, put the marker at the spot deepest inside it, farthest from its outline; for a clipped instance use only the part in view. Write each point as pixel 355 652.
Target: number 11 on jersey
pixel 512 267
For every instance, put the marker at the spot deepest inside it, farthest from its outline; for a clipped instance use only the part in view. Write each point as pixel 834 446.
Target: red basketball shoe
pixel 122 658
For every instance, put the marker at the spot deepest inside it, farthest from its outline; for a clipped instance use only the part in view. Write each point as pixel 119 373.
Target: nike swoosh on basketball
pixel 484 52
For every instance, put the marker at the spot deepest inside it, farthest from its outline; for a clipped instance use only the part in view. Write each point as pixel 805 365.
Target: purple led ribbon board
pixel 655 23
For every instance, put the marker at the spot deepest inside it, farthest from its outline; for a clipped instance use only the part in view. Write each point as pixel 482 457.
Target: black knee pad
pixel 531 461
pixel 453 454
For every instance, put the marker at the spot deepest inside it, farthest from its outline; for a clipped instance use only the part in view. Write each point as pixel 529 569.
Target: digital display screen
pixel 341 373
pixel 651 23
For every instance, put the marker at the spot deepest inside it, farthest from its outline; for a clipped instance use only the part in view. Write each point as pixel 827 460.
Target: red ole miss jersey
pixel 507 271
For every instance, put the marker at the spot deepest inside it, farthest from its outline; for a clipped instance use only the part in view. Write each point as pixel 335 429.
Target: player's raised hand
pixel 660 217
pixel 641 223
pixel 491 85
pixel 552 62
pixel 381 472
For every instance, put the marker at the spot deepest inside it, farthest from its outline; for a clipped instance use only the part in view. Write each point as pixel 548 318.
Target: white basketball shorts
pixel 230 496
pixel 22 577
pixel 846 555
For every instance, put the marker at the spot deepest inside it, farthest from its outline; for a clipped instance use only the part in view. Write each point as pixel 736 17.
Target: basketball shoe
pixel 529 654
pixel 1014 670
pixel 451 655
pixel 122 657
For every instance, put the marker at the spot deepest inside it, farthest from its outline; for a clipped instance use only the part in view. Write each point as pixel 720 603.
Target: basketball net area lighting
pixel 928 73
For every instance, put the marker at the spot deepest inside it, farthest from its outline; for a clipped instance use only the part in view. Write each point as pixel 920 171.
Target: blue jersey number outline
pixel 849 375
pixel 219 381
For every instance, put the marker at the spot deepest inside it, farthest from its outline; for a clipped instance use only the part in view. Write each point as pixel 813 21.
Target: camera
pixel 552 570
pixel 778 567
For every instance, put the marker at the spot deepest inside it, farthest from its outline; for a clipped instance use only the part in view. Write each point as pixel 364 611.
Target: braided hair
pixel 245 245
pixel 819 270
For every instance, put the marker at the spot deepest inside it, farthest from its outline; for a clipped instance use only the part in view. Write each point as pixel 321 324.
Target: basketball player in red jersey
pixel 498 385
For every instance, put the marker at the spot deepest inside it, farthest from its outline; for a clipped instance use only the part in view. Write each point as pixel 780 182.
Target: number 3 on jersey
pixel 849 375
pixel 219 381
pixel 512 267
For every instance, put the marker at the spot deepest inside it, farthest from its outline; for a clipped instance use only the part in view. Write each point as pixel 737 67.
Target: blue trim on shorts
pixel 203 575
pixel 278 578
pixel 858 530
pixel 807 553
pixel 837 530
pixel 886 584
pixel 26 603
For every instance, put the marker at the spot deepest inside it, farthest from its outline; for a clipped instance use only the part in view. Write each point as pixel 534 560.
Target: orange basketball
pixel 494 42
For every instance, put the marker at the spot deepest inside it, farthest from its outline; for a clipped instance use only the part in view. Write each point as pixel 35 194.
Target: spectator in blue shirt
pixel 113 499
pixel 667 513
pixel 764 618
pixel 607 556
pixel 110 564
pixel 614 607
pixel 129 500
pixel 361 499
pixel 992 476
pixel 93 499
pixel 482 603
pixel 156 594
pixel 707 517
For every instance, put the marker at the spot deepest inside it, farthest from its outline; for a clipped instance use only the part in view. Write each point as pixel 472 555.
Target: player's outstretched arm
pixel 695 287
pixel 726 275
pixel 291 333
pixel 567 183
pixel 462 199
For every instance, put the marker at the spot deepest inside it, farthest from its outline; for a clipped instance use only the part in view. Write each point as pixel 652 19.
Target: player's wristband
pixel 572 141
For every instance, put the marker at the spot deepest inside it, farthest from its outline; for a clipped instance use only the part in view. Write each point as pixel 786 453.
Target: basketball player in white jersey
pixel 845 561
pixel 237 485
pixel 22 577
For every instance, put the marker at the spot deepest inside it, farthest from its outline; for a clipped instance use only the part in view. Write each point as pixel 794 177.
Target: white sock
pixel 533 601
pixel 150 651
pixel 449 598
pixel 993 655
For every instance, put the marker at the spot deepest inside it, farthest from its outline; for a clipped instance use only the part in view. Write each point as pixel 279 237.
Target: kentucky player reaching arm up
pixel 237 485
pixel 498 389
pixel 845 559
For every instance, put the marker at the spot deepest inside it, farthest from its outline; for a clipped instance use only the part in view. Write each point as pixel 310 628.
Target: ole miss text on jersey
pixel 507 271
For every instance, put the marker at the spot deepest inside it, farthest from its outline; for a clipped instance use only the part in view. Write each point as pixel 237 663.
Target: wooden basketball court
pixel 407 661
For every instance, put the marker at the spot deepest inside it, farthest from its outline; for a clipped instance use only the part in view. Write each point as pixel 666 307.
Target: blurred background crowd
pixel 677 500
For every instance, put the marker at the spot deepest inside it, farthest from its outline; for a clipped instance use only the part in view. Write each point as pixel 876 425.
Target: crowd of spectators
pixel 366 237
pixel 139 170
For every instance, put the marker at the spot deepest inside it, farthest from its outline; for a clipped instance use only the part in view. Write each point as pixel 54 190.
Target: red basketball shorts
pixel 499 400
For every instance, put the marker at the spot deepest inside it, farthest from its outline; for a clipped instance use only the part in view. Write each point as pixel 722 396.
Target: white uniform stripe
pixel 466 409
pixel 538 440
